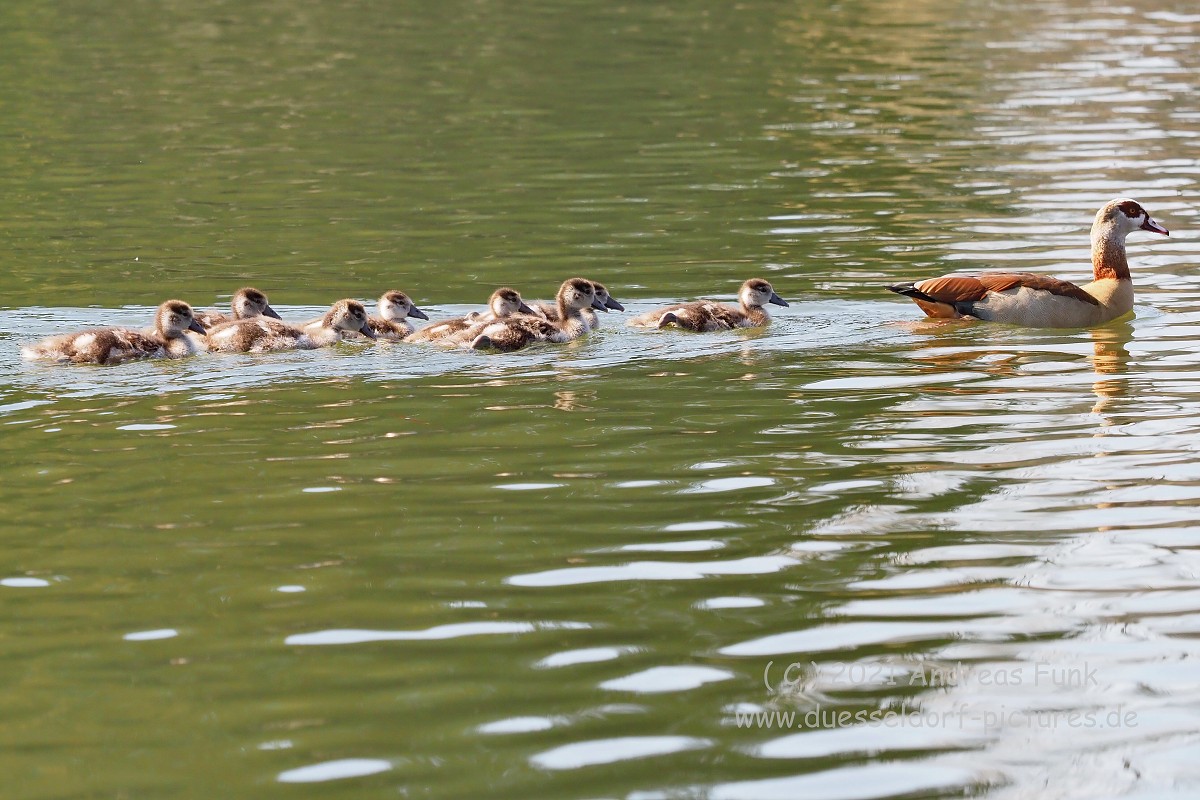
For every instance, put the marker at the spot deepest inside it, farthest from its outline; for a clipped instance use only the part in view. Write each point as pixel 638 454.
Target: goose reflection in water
pixel 569 400
pixel 1110 358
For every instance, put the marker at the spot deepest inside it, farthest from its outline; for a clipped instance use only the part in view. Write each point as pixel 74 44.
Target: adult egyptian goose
pixel 519 330
pixel 1025 298
pixel 168 339
pixel 502 303
pixel 606 300
pixel 703 315
pixel 394 310
pixel 247 302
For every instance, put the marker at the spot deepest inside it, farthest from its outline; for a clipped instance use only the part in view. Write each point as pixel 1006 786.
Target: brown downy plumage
pixel 168 339
pixel 247 302
pixel 259 334
pixel 343 317
pixel 607 301
pixel 704 315
pixel 520 330
pixel 504 302
pixel 256 335
pixel 392 323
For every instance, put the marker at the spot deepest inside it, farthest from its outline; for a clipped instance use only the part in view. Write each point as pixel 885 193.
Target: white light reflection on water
pixel 587 655
pixel 453 631
pixel 667 679
pixel 24 583
pixel 340 769
pixel 654 571
pixel 609 751
pixel 855 783
pixel 150 636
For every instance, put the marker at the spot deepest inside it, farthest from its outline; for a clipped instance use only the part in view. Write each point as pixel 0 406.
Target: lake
pixel 855 554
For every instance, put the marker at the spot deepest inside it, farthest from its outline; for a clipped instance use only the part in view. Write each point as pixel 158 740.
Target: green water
pixel 400 571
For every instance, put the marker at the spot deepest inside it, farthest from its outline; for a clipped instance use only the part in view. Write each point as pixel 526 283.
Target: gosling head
pixel 174 317
pixel 394 306
pixel 250 302
pixel 577 294
pixel 1127 216
pixel 756 293
pixel 505 302
pixel 606 299
pixel 350 316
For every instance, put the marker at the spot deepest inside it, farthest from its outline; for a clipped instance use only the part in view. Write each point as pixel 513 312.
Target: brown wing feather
pixel 953 288
pixel 441 330
pixel 969 288
pixel 728 317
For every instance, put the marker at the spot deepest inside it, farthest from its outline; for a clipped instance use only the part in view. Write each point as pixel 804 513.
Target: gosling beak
pixel 367 331
pixel 1154 227
pixel 525 309
pixel 598 305
pixel 777 300
pixel 270 312
pixel 613 304
pixel 197 327
pixel 418 313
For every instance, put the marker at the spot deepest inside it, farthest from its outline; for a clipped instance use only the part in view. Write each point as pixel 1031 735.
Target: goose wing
pixel 954 289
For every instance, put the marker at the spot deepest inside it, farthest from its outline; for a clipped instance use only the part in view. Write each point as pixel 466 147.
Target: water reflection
pixel 334 770
pixel 1110 358
pixel 608 751
pixel 667 679
pixel 859 783
pixel 356 636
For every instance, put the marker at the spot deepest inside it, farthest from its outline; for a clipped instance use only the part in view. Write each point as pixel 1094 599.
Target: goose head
pixel 1125 216
pixel 250 302
pixel 174 317
pixel 756 293
pixel 505 302
pixel 394 306
pixel 349 316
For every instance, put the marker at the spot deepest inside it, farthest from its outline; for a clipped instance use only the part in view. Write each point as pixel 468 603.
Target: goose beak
pixel 1154 227
pixel 418 313
pixel 367 331
pixel 270 312
pixel 596 304
pixel 613 304
pixel 524 309
pixel 197 327
pixel 777 300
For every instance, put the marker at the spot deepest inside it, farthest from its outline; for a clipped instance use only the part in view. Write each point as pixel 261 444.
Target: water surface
pixel 852 555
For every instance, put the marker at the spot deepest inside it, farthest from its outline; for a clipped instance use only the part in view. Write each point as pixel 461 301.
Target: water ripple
pixel 340 636
pixel 666 679
pixel 889 779
pixel 587 655
pixel 610 751
pixel 334 770
pixel 653 571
